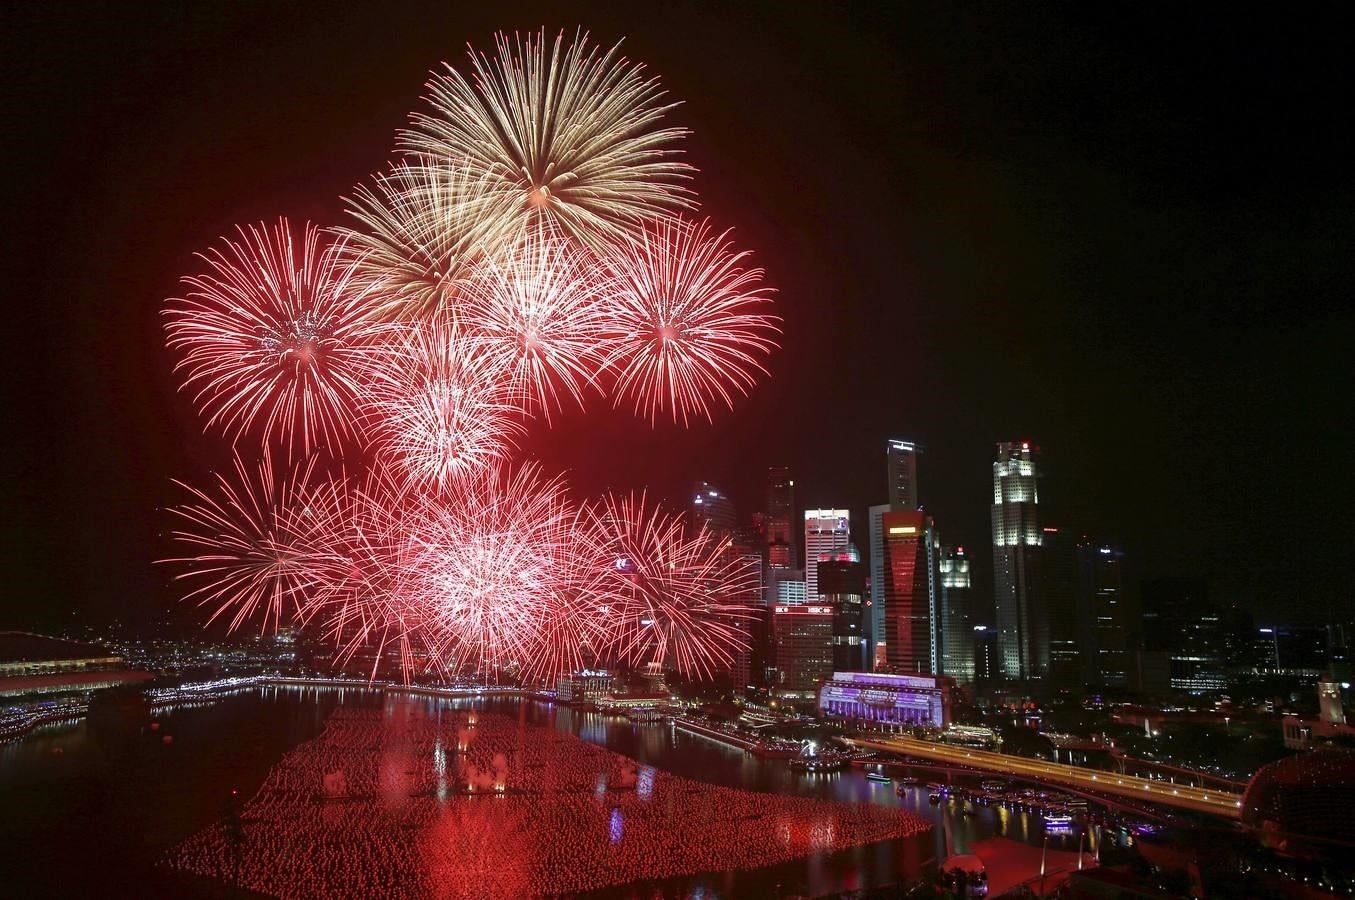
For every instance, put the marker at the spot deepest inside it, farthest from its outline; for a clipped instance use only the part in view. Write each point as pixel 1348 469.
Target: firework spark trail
pixel 537 309
pixel 425 224
pixel 275 332
pixel 439 404
pixel 255 544
pixel 677 598
pixel 571 132
pixel 684 321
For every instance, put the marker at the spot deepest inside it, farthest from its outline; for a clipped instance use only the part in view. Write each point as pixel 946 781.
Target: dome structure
pixel 1301 805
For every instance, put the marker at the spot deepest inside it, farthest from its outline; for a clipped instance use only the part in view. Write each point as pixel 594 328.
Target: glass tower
pixel 1022 621
pixel 956 616
pixel 827 531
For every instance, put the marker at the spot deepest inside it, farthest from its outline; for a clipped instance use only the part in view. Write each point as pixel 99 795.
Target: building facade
pixel 827 531
pixel 910 700
pixel 1022 621
pixel 956 616
pixel 782 536
pixel 802 639
pixel 901 464
pixel 909 595
pixel 1104 616
pixel 712 509
pixel 842 585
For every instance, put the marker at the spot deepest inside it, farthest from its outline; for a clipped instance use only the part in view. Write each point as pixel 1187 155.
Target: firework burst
pixel 424 225
pixel 255 542
pixel 275 334
pixel 537 310
pixel 684 321
pixel 676 598
pixel 569 131
pixel 439 404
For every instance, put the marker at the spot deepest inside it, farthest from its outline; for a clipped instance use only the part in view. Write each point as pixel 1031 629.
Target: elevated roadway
pixel 1144 790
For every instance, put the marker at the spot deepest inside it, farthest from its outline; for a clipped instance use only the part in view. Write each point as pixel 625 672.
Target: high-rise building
pixel 877 578
pixel 842 585
pixel 827 531
pixel 782 535
pixel 1103 615
pixel 1022 621
pixel 802 640
pixel 1055 592
pixel 713 509
pixel 910 569
pixel 1182 627
pixel 956 616
pixel 786 587
pixel 901 462
pixel 987 662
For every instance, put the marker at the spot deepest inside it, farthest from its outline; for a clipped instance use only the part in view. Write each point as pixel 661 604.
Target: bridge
pixel 1144 790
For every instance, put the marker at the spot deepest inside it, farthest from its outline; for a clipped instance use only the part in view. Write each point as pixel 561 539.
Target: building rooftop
pixel 23 646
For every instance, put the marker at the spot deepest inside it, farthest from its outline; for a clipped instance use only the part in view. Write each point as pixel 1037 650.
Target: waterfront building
pixel 802 640
pixel 37 664
pixel 1022 619
pixel 901 465
pixel 584 686
pixel 956 616
pixel 911 700
pixel 713 509
pixel 782 538
pixel 827 531
pixel 842 585
pixel 910 570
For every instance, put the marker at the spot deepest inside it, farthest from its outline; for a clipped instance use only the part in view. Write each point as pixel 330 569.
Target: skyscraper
pixel 782 538
pixel 877 577
pixel 1055 593
pixel 910 570
pixel 956 616
pixel 713 509
pixel 901 462
pixel 802 640
pixel 1022 622
pixel 827 531
pixel 1103 615
pixel 842 586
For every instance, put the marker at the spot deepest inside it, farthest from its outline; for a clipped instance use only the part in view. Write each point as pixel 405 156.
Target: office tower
pixel 1103 615
pixel 827 531
pixel 910 568
pixel 1329 707
pixel 713 509
pixel 842 586
pixel 987 662
pixel 1055 592
pixel 877 579
pixel 1022 623
pixel 1300 650
pixel 901 463
pixel 782 536
pixel 802 638
pixel 786 587
pixel 1183 638
pixel 956 616
pixel 749 658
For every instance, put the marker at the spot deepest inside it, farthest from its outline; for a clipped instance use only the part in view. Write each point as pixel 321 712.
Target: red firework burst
pixel 256 542
pixel 674 598
pixel 684 321
pixel 274 333
pixel 536 308
pixel 439 404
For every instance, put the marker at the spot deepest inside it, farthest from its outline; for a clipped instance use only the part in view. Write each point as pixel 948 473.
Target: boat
pixel 878 776
pixel 996 785
pixel 1058 819
pixel 934 798
pixel 909 780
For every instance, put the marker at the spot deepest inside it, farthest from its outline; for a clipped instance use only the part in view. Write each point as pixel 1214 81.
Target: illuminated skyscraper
pixel 956 616
pixel 842 586
pixel 802 640
pixel 1022 621
pixel 901 461
pixel 827 531
pixel 910 570
pixel 782 537
pixel 713 509
pixel 877 577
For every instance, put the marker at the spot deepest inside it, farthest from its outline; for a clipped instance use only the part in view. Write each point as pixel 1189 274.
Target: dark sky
pixel 1121 232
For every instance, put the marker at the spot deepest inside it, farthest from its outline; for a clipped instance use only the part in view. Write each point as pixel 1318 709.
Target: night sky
pixel 1125 239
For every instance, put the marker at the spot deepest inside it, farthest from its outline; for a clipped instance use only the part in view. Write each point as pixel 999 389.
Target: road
pixel 1179 796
